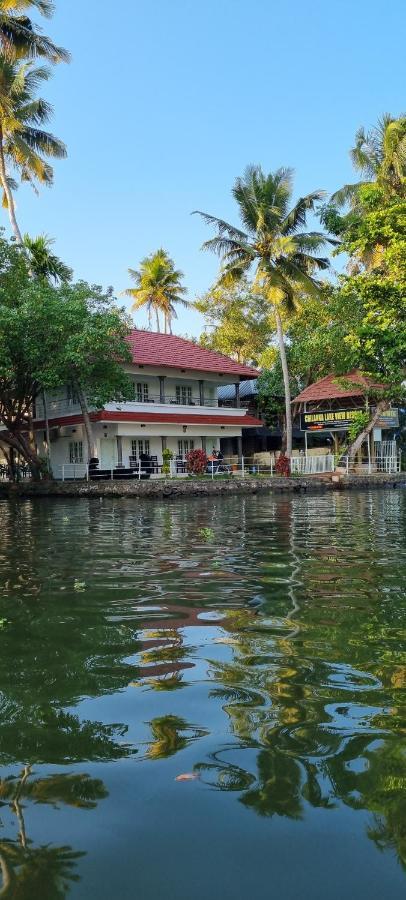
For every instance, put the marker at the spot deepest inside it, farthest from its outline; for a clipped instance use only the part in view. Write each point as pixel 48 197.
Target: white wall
pixel 129 431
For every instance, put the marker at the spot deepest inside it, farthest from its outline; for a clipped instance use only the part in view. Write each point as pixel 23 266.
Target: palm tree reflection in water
pixel 42 871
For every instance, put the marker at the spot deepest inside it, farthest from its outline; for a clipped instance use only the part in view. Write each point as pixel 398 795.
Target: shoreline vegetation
pixel 173 488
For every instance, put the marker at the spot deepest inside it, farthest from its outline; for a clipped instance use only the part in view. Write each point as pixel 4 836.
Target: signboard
pixel 340 419
pixel 388 419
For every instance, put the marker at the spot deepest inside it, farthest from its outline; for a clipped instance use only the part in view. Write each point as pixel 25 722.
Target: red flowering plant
pixel 196 462
pixel 282 465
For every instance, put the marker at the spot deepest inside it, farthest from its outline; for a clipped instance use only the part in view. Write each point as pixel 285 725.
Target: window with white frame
pixel 141 392
pixel 139 446
pixel 184 446
pixel 184 394
pixel 75 451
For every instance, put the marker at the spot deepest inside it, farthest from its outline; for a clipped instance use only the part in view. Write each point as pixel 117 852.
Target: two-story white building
pixel 175 406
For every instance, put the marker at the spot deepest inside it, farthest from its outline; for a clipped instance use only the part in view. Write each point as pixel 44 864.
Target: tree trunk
pixel 357 444
pixel 90 439
pixel 48 439
pixel 9 195
pixel 157 321
pixel 285 371
pixel 22 448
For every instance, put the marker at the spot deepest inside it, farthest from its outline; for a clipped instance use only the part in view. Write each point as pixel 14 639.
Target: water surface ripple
pixel 254 646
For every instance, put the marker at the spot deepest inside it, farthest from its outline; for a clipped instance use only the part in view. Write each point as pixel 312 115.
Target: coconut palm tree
pixel 19 37
pixel 380 156
pixel 43 263
pixel 158 288
pixel 25 146
pixel 273 247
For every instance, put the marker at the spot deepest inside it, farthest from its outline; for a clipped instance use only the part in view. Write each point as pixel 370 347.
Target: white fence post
pixel 63 473
pixel 242 467
pixel 212 469
pixel 139 470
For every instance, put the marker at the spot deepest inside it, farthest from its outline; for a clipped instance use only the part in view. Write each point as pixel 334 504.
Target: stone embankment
pixel 183 487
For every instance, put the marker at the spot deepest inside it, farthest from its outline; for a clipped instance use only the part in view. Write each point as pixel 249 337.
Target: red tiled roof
pixel 185 419
pixel 152 349
pixel 330 387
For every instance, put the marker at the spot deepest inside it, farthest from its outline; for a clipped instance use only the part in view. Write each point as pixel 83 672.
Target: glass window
pixel 75 451
pixel 184 394
pixel 140 446
pixel 184 446
pixel 141 392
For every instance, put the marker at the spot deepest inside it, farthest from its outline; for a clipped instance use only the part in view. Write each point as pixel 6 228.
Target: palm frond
pixel 347 194
pixel 43 142
pixel 296 218
pixel 20 39
pixel 35 112
pixel 225 246
pixel 311 241
pixel 222 226
pixel 297 275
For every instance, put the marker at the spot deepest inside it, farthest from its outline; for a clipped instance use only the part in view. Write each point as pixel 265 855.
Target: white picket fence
pixel 70 472
pixel 312 465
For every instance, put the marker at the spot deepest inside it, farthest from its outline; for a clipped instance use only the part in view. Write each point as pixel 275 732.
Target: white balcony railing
pixel 64 407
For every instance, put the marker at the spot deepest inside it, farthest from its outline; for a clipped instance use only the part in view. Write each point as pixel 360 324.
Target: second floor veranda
pixel 163 395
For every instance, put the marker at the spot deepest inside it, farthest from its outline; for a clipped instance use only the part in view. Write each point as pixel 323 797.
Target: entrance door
pixel 108 451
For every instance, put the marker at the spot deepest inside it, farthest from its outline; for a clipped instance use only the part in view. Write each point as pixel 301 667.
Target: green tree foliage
pixel 380 157
pixel 50 336
pixel 238 322
pixel 158 288
pixel 317 345
pixel 377 286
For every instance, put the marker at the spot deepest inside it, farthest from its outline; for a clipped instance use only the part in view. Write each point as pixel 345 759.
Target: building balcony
pixel 152 404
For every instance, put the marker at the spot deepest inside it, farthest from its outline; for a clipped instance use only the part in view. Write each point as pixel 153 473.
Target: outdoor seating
pixel 154 465
pixel 119 473
pixel 180 464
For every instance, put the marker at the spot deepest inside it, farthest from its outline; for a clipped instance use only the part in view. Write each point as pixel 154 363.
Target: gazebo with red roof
pixel 330 405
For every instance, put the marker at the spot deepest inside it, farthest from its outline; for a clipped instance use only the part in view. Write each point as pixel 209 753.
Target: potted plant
pixel 167 456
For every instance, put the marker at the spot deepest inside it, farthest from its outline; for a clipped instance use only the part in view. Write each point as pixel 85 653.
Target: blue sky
pixel 166 101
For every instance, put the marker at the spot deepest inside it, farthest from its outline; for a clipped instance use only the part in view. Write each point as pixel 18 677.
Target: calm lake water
pixel 255 645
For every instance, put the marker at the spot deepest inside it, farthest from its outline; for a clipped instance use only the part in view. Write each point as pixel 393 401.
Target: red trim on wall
pixel 157 418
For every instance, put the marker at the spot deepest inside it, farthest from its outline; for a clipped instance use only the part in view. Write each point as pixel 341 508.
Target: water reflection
pixel 46 871
pixel 268 661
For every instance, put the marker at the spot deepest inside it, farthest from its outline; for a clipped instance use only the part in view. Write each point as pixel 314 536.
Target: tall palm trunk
pixel 90 439
pixel 285 372
pixel 157 320
pixel 9 194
